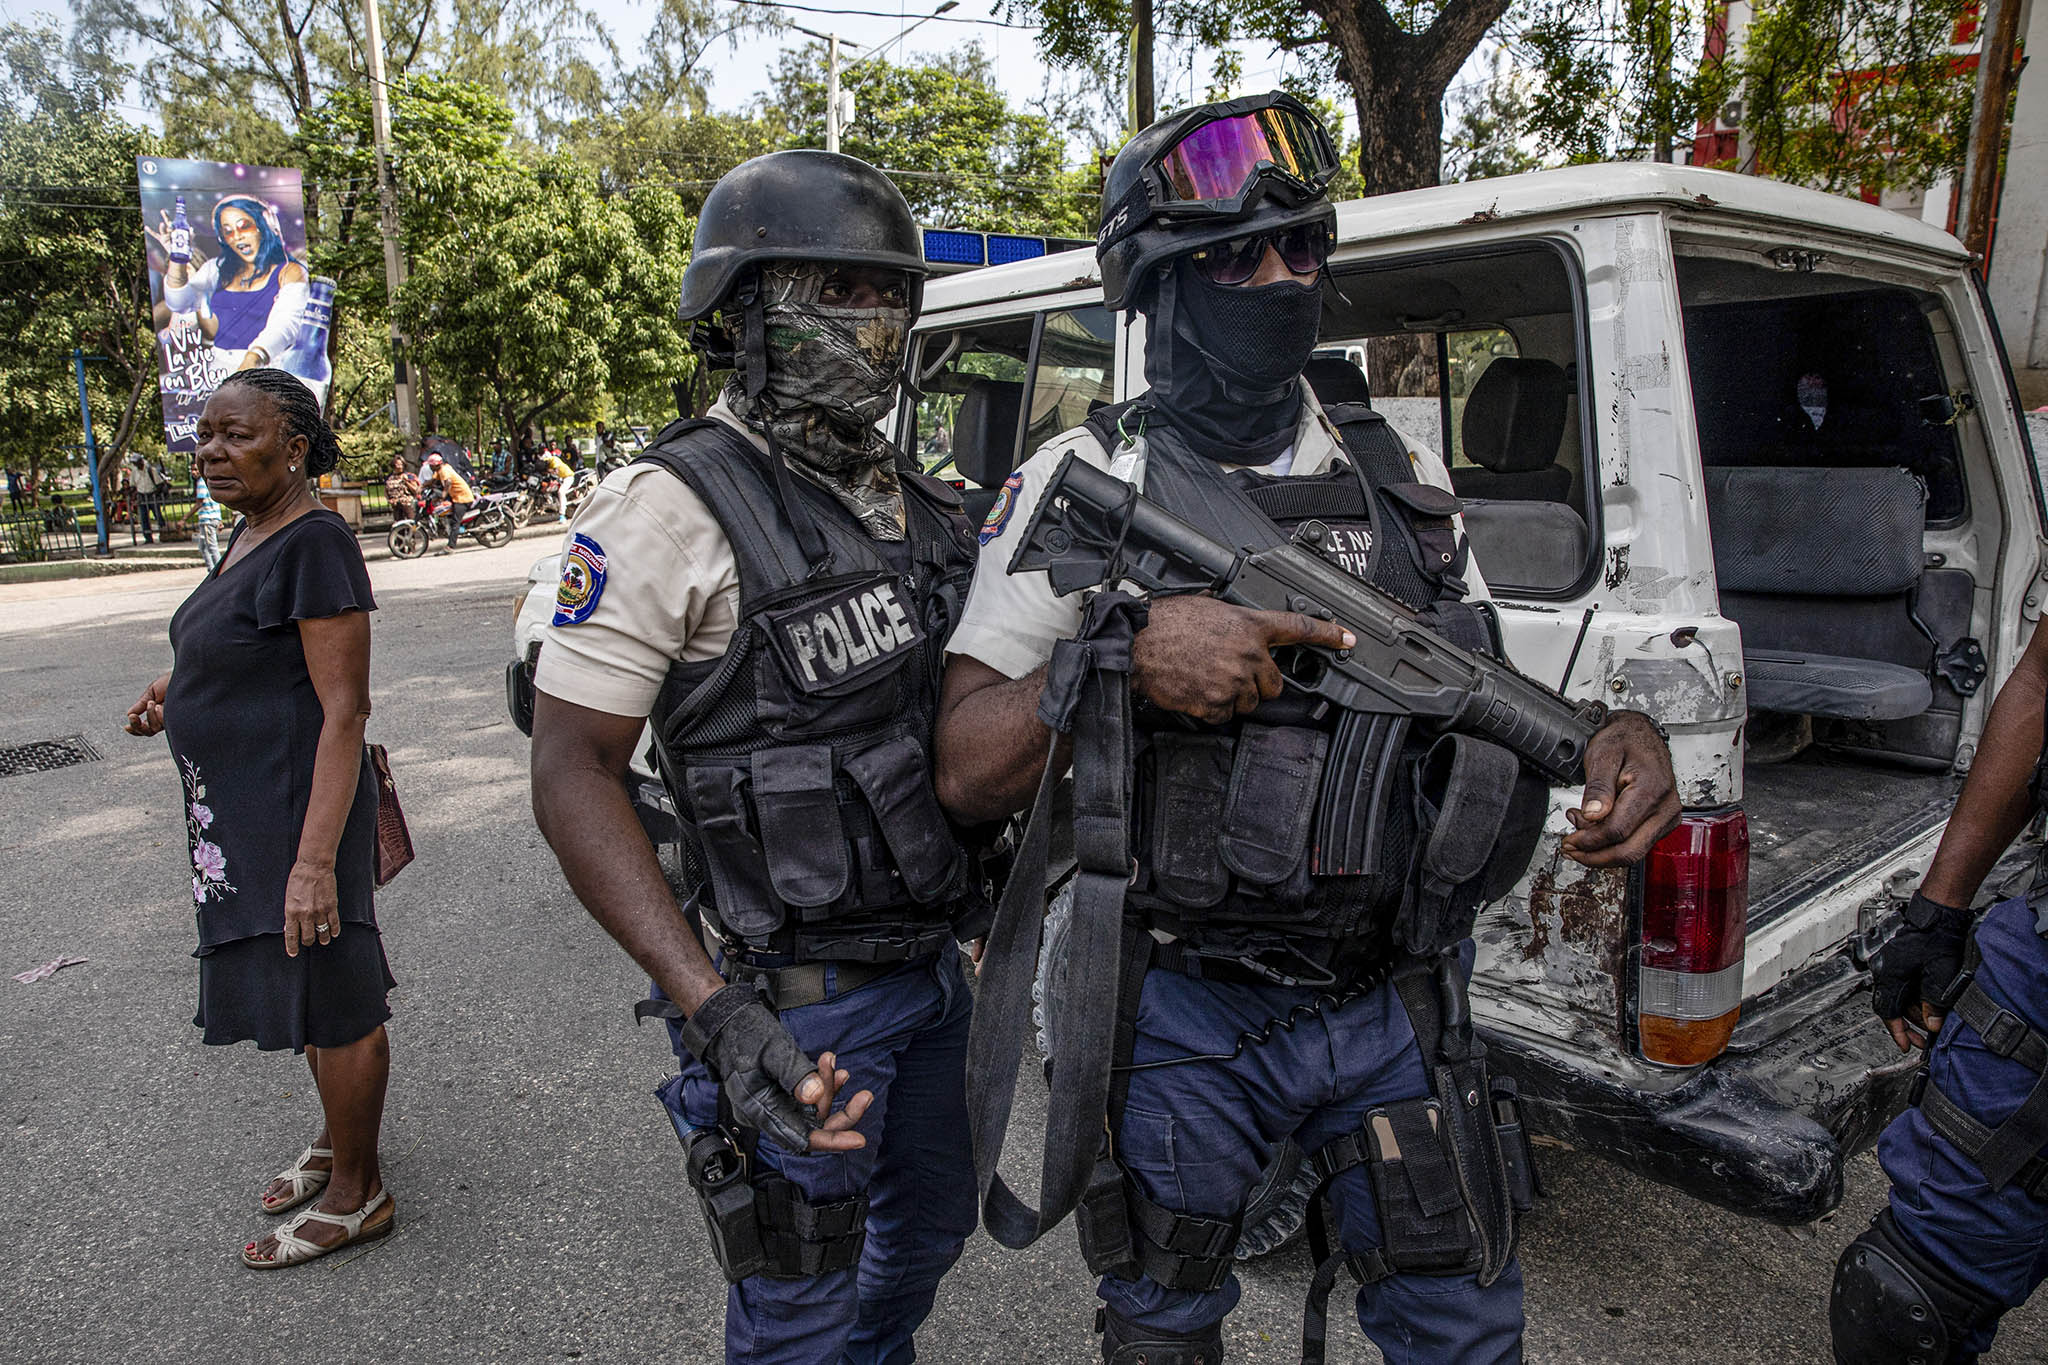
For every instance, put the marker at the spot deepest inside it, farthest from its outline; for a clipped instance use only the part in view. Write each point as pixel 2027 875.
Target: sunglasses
pixel 1303 249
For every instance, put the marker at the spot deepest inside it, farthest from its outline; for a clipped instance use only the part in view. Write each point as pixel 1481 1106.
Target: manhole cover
pixel 39 756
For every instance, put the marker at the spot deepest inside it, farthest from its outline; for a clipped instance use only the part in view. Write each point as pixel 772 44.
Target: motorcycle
pixel 488 521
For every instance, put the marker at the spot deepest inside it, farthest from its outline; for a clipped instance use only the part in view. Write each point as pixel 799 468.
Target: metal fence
pixel 29 537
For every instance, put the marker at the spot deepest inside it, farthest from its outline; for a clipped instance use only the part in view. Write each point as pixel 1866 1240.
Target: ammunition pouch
pixel 760 1223
pixel 1127 1235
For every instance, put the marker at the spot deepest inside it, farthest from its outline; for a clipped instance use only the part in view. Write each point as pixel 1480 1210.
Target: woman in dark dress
pixel 264 708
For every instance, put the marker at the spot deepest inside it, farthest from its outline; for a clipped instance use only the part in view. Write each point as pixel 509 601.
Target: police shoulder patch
pixel 999 511
pixel 583 569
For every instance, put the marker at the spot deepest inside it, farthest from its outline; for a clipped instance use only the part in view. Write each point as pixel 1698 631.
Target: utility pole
pixel 406 404
pixel 1143 112
pixel 839 103
pixel 92 460
pixel 2001 30
pixel 832 94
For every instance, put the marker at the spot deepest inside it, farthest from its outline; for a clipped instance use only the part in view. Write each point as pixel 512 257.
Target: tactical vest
pixel 799 761
pixel 1300 834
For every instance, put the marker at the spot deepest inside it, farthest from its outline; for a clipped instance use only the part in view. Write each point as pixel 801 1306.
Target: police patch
pixel 999 511
pixel 582 581
pixel 838 642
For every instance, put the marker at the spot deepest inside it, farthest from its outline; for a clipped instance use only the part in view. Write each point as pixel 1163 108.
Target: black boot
pixel 1124 1343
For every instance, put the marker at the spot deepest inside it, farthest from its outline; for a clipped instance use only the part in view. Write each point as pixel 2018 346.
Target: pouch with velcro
pixel 1191 778
pixel 896 780
pixel 741 891
pixel 1424 1226
pixel 1274 776
pixel 1440 552
pixel 1463 787
pixel 801 838
pixel 1525 1182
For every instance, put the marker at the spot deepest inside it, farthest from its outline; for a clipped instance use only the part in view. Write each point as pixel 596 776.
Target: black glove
pixel 1921 959
pixel 735 1034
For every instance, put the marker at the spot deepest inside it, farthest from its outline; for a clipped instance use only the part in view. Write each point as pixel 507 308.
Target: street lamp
pixel 838 104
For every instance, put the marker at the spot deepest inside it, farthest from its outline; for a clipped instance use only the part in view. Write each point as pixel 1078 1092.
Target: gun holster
pixel 759 1221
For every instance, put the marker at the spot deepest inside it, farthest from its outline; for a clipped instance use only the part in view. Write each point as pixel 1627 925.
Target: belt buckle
pixel 2006 1033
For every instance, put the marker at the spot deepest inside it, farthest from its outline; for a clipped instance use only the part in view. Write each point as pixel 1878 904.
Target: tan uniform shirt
pixel 667 589
pixel 1011 622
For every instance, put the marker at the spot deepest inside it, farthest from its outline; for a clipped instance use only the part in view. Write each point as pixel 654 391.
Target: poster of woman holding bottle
pixel 228 280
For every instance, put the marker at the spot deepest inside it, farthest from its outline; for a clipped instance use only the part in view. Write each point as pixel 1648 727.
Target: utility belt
pixel 2009 1154
pixel 759 1221
pixel 1450 1171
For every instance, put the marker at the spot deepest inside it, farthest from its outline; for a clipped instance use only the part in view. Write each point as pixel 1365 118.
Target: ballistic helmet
pixel 1261 163
pixel 799 205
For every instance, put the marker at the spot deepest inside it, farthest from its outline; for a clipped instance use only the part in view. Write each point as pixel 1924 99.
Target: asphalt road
pixel 542 1212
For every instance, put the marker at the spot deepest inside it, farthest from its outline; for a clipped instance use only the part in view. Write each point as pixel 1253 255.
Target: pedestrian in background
pixel 149 487
pixel 206 512
pixel 16 494
pixel 264 708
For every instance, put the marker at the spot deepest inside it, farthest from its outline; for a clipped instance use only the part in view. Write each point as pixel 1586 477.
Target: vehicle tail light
pixel 1695 918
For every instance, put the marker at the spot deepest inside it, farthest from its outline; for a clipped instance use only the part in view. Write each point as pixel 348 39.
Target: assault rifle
pixel 1092 528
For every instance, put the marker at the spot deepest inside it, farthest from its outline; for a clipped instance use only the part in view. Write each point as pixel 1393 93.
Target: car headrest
pixel 985 430
pixel 1515 416
pixel 1336 379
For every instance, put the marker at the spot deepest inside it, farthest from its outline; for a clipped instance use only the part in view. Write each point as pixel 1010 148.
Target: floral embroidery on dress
pixel 209 863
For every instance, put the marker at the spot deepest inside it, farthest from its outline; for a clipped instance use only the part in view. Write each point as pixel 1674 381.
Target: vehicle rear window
pixel 1816 371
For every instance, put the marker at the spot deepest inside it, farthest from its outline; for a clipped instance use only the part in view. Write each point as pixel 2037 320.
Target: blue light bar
pixel 952 248
pixel 1003 249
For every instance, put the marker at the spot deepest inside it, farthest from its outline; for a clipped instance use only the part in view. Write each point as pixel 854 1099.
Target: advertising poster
pixel 228 282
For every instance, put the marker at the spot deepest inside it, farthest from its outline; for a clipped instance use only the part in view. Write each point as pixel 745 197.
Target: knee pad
pixel 1894 1305
pixel 1126 1343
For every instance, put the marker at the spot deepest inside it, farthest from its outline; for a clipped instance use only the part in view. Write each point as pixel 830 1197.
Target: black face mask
pixel 1225 361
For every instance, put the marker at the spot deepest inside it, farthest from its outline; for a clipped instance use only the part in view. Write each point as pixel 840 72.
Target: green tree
pixel 946 133
pixel 1488 133
pixel 73 247
pixel 548 295
pixel 1854 94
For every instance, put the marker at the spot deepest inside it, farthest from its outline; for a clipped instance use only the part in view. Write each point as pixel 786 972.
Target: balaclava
pixel 1225 362
pixel 832 373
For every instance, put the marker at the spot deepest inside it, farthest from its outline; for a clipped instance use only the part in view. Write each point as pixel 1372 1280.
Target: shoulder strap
pixel 1201 492
pixel 726 470
pixel 1374 446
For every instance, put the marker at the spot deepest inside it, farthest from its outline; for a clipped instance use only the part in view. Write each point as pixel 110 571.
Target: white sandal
pixel 295 1250
pixel 305 1183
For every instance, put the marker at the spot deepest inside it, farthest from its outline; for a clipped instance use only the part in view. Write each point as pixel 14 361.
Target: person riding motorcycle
pixel 456 497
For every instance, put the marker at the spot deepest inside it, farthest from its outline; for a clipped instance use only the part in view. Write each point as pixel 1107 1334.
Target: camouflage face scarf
pixel 832 373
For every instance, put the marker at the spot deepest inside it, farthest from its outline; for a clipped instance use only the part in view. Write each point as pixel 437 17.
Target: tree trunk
pixel 1398 80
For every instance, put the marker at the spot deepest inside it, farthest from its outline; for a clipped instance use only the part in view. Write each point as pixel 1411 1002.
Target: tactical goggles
pixel 1302 248
pixel 1216 165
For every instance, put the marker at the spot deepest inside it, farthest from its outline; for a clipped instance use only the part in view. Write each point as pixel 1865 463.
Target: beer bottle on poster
pixel 181 235
pixel 313 365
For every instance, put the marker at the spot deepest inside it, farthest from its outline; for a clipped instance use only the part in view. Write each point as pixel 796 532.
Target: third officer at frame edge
pixel 1265 1006
pixel 772 586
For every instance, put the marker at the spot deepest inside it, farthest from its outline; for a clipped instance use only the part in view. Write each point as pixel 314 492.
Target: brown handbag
pixel 394 840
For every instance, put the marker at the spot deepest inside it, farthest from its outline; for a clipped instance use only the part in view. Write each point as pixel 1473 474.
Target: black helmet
pixel 1205 175
pixel 800 205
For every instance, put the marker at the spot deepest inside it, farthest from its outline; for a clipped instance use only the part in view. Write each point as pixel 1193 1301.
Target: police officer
pixel 1270 986
pixel 1964 1235
pixel 770 587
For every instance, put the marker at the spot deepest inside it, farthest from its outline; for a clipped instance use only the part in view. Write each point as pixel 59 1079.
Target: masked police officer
pixel 1271 974
pixel 771 588
pixel 1965 1233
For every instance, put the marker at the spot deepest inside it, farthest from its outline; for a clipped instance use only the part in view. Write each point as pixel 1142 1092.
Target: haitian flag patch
pixel 999 510
pixel 582 581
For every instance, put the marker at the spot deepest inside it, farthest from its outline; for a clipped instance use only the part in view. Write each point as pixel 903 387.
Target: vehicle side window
pixel 1475 355
pixel 982 383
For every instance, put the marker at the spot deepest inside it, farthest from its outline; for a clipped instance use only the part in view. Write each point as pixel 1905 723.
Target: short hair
pixel 300 410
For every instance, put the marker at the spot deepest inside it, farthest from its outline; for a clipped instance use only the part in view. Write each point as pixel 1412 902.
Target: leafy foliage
pixel 73 248
pixel 947 135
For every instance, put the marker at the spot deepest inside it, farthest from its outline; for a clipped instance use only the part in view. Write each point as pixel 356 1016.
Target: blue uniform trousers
pixel 904 1037
pixel 1996 1240
pixel 1195 1137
